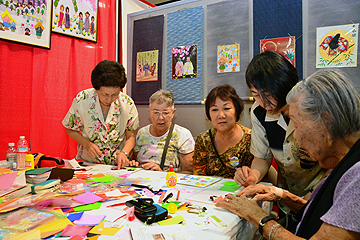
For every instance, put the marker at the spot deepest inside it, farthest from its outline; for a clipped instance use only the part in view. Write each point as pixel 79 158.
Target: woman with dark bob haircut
pixel 103 120
pixel 219 151
pixel 270 76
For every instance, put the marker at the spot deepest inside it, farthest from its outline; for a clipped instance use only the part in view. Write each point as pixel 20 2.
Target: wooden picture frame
pixel 28 23
pixel 76 18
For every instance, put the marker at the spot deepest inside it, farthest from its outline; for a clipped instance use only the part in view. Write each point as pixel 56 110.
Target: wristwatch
pixel 263 221
pixel 126 154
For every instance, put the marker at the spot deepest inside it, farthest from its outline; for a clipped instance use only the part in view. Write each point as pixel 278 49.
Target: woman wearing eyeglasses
pixel 221 150
pixel 151 139
pixel 270 76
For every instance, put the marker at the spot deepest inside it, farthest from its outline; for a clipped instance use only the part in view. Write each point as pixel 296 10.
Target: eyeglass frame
pixel 157 113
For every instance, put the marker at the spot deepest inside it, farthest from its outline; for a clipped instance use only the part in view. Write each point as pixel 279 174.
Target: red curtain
pixel 38 85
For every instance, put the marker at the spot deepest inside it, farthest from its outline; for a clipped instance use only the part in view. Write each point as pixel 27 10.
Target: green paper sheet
pixel 37 171
pixel 87 207
pixel 106 179
pixel 230 186
pixel 230 183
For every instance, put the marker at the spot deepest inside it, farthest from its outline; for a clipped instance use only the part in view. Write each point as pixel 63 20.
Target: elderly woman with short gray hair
pixel 151 139
pixel 325 111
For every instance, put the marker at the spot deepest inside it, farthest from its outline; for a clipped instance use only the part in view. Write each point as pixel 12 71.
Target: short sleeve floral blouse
pixel 85 115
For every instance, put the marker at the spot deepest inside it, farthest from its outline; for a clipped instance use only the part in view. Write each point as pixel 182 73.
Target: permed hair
pixel 108 74
pixel 162 96
pixel 327 97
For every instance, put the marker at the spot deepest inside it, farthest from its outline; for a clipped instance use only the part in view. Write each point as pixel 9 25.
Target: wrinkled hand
pixel 133 163
pixel 245 176
pixel 258 192
pixel 92 149
pixel 151 166
pixel 242 207
pixel 122 160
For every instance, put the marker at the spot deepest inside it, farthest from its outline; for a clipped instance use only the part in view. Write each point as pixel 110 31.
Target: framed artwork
pixel 284 45
pixel 147 66
pixel 228 58
pixel 27 22
pixel 76 18
pixel 337 46
pixel 184 62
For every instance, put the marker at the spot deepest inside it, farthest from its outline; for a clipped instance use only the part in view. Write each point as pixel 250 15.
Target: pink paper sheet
pixel 7 180
pixel 73 230
pixel 87 198
pixel 90 220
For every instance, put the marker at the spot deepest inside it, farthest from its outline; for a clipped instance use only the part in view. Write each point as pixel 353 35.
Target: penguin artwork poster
pixel 337 46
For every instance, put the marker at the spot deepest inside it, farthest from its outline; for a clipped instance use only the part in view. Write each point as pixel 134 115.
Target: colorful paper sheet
pixel 101 229
pixel 87 198
pixel 75 216
pixel 230 186
pixel 90 220
pixel 87 207
pixel 106 179
pixel 7 180
pixel 73 230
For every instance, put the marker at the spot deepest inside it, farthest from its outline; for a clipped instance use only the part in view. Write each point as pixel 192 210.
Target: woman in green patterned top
pixel 230 147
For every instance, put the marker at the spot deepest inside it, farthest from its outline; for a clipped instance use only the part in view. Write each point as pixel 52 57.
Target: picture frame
pixel 147 63
pixel 228 58
pixel 184 62
pixel 76 18
pixel 26 22
pixel 337 46
pixel 283 45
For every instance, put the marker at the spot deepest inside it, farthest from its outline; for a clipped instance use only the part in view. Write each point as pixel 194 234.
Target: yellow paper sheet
pixel 33 234
pixel 100 229
pixel 52 226
pixel 172 221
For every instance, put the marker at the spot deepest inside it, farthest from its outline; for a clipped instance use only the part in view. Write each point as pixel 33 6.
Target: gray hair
pixel 328 97
pixel 162 96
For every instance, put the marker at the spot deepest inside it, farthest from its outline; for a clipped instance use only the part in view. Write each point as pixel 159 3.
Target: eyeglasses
pixel 164 113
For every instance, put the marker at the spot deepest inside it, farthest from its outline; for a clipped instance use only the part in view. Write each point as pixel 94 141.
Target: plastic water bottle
pixel 22 150
pixel 11 156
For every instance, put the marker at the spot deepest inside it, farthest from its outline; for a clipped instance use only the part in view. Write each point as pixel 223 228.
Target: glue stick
pixel 29 161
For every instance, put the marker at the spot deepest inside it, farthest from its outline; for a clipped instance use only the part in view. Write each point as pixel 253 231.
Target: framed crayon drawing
pixel 76 18
pixel 27 22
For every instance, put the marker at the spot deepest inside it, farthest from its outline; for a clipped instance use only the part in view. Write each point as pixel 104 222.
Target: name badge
pixel 234 161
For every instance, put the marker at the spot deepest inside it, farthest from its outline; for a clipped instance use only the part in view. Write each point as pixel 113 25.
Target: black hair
pixel 272 75
pixel 225 92
pixel 108 73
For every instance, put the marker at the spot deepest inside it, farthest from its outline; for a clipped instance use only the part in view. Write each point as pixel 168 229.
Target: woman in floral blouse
pixel 103 120
pixel 232 140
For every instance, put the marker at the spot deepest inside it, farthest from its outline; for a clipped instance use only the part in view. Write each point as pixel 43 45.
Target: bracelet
pixel 263 221
pixel 273 228
pixel 126 154
pixel 83 144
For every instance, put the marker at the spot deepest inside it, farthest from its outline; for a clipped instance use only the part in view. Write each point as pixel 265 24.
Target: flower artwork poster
pixel 228 58
pixel 184 62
